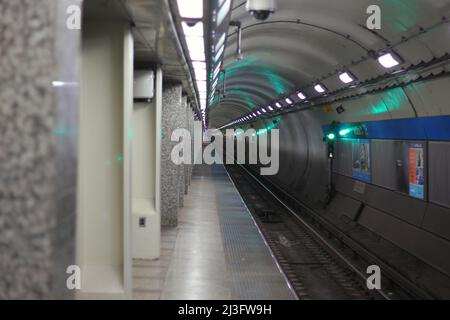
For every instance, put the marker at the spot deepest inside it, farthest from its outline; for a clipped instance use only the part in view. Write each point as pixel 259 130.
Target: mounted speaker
pixel 143 85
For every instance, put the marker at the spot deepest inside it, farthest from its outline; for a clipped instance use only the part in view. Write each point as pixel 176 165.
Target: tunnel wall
pixel 420 227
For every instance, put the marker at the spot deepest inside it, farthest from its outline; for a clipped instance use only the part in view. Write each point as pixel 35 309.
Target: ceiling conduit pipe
pixel 238 26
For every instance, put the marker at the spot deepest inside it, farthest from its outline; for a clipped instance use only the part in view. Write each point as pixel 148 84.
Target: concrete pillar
pixel 170 198
pixel 38 139
pixel 104 167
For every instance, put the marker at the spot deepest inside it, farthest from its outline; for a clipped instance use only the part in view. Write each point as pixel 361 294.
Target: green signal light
pixel 331 136
pixel 344 132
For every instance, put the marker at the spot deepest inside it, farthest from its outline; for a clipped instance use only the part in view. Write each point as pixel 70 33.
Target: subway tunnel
pixel 225 149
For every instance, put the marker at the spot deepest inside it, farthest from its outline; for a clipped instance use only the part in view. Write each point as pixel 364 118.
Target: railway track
pixel 317 264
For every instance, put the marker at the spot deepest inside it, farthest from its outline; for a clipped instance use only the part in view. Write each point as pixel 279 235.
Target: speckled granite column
pixel 170 178
pixel 37 148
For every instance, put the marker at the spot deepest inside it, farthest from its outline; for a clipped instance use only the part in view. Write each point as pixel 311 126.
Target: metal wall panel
pixel 439 172
pixel 389 169
pixel 343 161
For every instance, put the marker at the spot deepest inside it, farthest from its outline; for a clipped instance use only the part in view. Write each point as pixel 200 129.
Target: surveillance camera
pixel 261 9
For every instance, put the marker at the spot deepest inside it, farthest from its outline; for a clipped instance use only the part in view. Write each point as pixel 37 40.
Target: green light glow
pixel 251 64
pixel 344 132
pixel 331 136
pixel 400 14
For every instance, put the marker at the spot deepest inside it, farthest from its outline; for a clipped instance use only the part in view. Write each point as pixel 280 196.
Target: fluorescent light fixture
pixel 217 70
pixel 319 88
pixel 195 44
pixel 254 114
pixel 57 84
pixel 346 77
pixel 195 30
pixel 199 65
pixel 201 86
pixel 270 108
pixel 200 75
pixel 220 42
pixel 214 85
pixel 192 9
pixel 263 110
pixel 219 53
pixel 223 11
pixel 301 96
pixel 388 60
pixel 279 106
pixel 258 112
pixel 197 56
pixel 288 101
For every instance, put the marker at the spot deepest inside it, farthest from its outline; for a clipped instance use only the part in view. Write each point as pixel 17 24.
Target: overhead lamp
pixel 201 85
pixel 197 55
pixel 254 114
pixel 319 88
pixel 221 42
pixel 192 30
pixel 195 44
pixel 301 95
pixel 389 60
pixel 214 85
pixel 270 108
pixel 219 53
pixel 199 65
pixel 346 77
pixel 263 110
pixel 279 106
pixel 217 70
pixel 191 9
pixel 258 112
pixel 200 75
pixel 289 101
pixel 223 11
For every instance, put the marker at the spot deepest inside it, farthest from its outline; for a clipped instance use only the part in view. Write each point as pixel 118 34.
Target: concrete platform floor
pixel 216 252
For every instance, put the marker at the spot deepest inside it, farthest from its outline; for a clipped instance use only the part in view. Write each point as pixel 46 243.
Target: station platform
pixel 215 252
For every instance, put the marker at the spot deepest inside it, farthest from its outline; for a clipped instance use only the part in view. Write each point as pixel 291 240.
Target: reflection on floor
pixel 216 252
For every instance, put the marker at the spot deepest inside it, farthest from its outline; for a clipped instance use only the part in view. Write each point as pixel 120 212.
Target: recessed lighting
pixel 263 110
pixel 389 60
pixel 270 108
pixel 288 101
pixel 301 96
pixel 346 77
pixel 319 88
pixel 279 106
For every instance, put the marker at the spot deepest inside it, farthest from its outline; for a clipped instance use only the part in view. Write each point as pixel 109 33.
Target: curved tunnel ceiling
pixel 307 40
